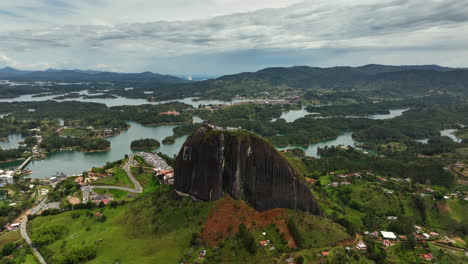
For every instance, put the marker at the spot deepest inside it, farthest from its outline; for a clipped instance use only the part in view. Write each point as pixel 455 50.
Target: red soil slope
pixel 226 216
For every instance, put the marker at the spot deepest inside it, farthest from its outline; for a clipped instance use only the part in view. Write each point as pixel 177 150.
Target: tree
pixel 296 234
pixel 247 239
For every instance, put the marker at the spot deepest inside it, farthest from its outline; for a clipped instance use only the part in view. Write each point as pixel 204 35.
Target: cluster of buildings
pixel 164 176
pixel 161 170
pixel 60 176
pixel 92 177
pixel 98 198
pixel 6 177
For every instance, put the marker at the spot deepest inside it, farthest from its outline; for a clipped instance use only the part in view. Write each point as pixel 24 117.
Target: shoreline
pixel 141 148
pixel 169 123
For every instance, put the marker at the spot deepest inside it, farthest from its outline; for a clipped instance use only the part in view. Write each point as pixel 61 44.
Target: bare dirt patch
pixel 74 200
pixel 444 207
pixel 226 216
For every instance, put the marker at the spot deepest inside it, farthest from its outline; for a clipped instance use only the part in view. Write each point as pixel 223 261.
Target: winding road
pixel 24 232
pixel 127 168
pixel 86 190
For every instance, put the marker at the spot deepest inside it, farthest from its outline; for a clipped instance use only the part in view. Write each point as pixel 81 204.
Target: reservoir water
pixel 119 100
pixel 13 141
pixel 74 162
pixel 445 132
pixel 449 133
pixel 345 139
pixel 392 114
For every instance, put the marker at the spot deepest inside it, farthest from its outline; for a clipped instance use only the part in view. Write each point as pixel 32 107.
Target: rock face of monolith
pixel 214 162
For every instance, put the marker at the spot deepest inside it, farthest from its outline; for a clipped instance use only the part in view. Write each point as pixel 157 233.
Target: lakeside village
pixel 26 197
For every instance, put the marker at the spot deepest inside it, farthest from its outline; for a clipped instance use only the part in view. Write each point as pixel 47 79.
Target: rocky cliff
pixel 214 162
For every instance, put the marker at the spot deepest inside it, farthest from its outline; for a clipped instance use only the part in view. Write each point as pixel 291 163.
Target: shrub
pixel 296 234
pixel 247 239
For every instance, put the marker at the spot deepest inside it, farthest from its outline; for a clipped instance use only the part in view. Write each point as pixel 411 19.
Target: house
pixel 392 217
pixel 361 246
pixel 79 180
pixel 13 226
pixel 325 253
pixel 434 234
pixel 386 243
pixel 98 214
pixel 345 183
pixel 264 243
pixel 426 235
pixel 202 254
pixel 427 256
pixel 312 181
pixel 402 237
pixel 388 235
pixel 420 237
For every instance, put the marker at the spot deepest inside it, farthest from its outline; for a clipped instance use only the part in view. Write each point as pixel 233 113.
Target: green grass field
pixel 140 232
pixel 21 255
pixel 463 151
pixel 120 178
pixel 9 237
pixel 29 259
pixel 144 178
pixel 118 195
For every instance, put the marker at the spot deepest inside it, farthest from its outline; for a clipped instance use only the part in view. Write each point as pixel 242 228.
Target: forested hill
pixel 370 79
pixel 86 76
pixel 311 77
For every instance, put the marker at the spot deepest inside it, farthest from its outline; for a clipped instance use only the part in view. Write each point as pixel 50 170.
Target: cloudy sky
pixel 227 36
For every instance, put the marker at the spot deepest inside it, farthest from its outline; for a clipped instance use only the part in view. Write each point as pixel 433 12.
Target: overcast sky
pixel 228 36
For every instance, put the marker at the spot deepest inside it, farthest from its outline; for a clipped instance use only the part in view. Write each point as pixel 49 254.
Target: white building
pixel 6 177
pixel 388 235
pixel 361 246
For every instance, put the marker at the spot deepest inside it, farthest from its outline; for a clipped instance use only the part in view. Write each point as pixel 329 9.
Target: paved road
pixel 127 169
pixel 138 189
pixel 86 190
pixel 24 233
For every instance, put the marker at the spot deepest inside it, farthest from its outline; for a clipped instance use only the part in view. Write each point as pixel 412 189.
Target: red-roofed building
pixel 386 243
pixel 312 181
pixel 264 243
pixel 325 253
pixel 170 113
pixel 427 256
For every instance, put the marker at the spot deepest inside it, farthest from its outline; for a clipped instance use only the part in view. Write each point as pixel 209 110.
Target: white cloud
pixel 134 36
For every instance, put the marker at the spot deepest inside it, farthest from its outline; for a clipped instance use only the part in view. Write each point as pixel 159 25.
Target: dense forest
pixel 54 142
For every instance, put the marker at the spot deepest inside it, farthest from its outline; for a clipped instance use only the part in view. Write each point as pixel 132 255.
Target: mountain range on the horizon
pixel 77 75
